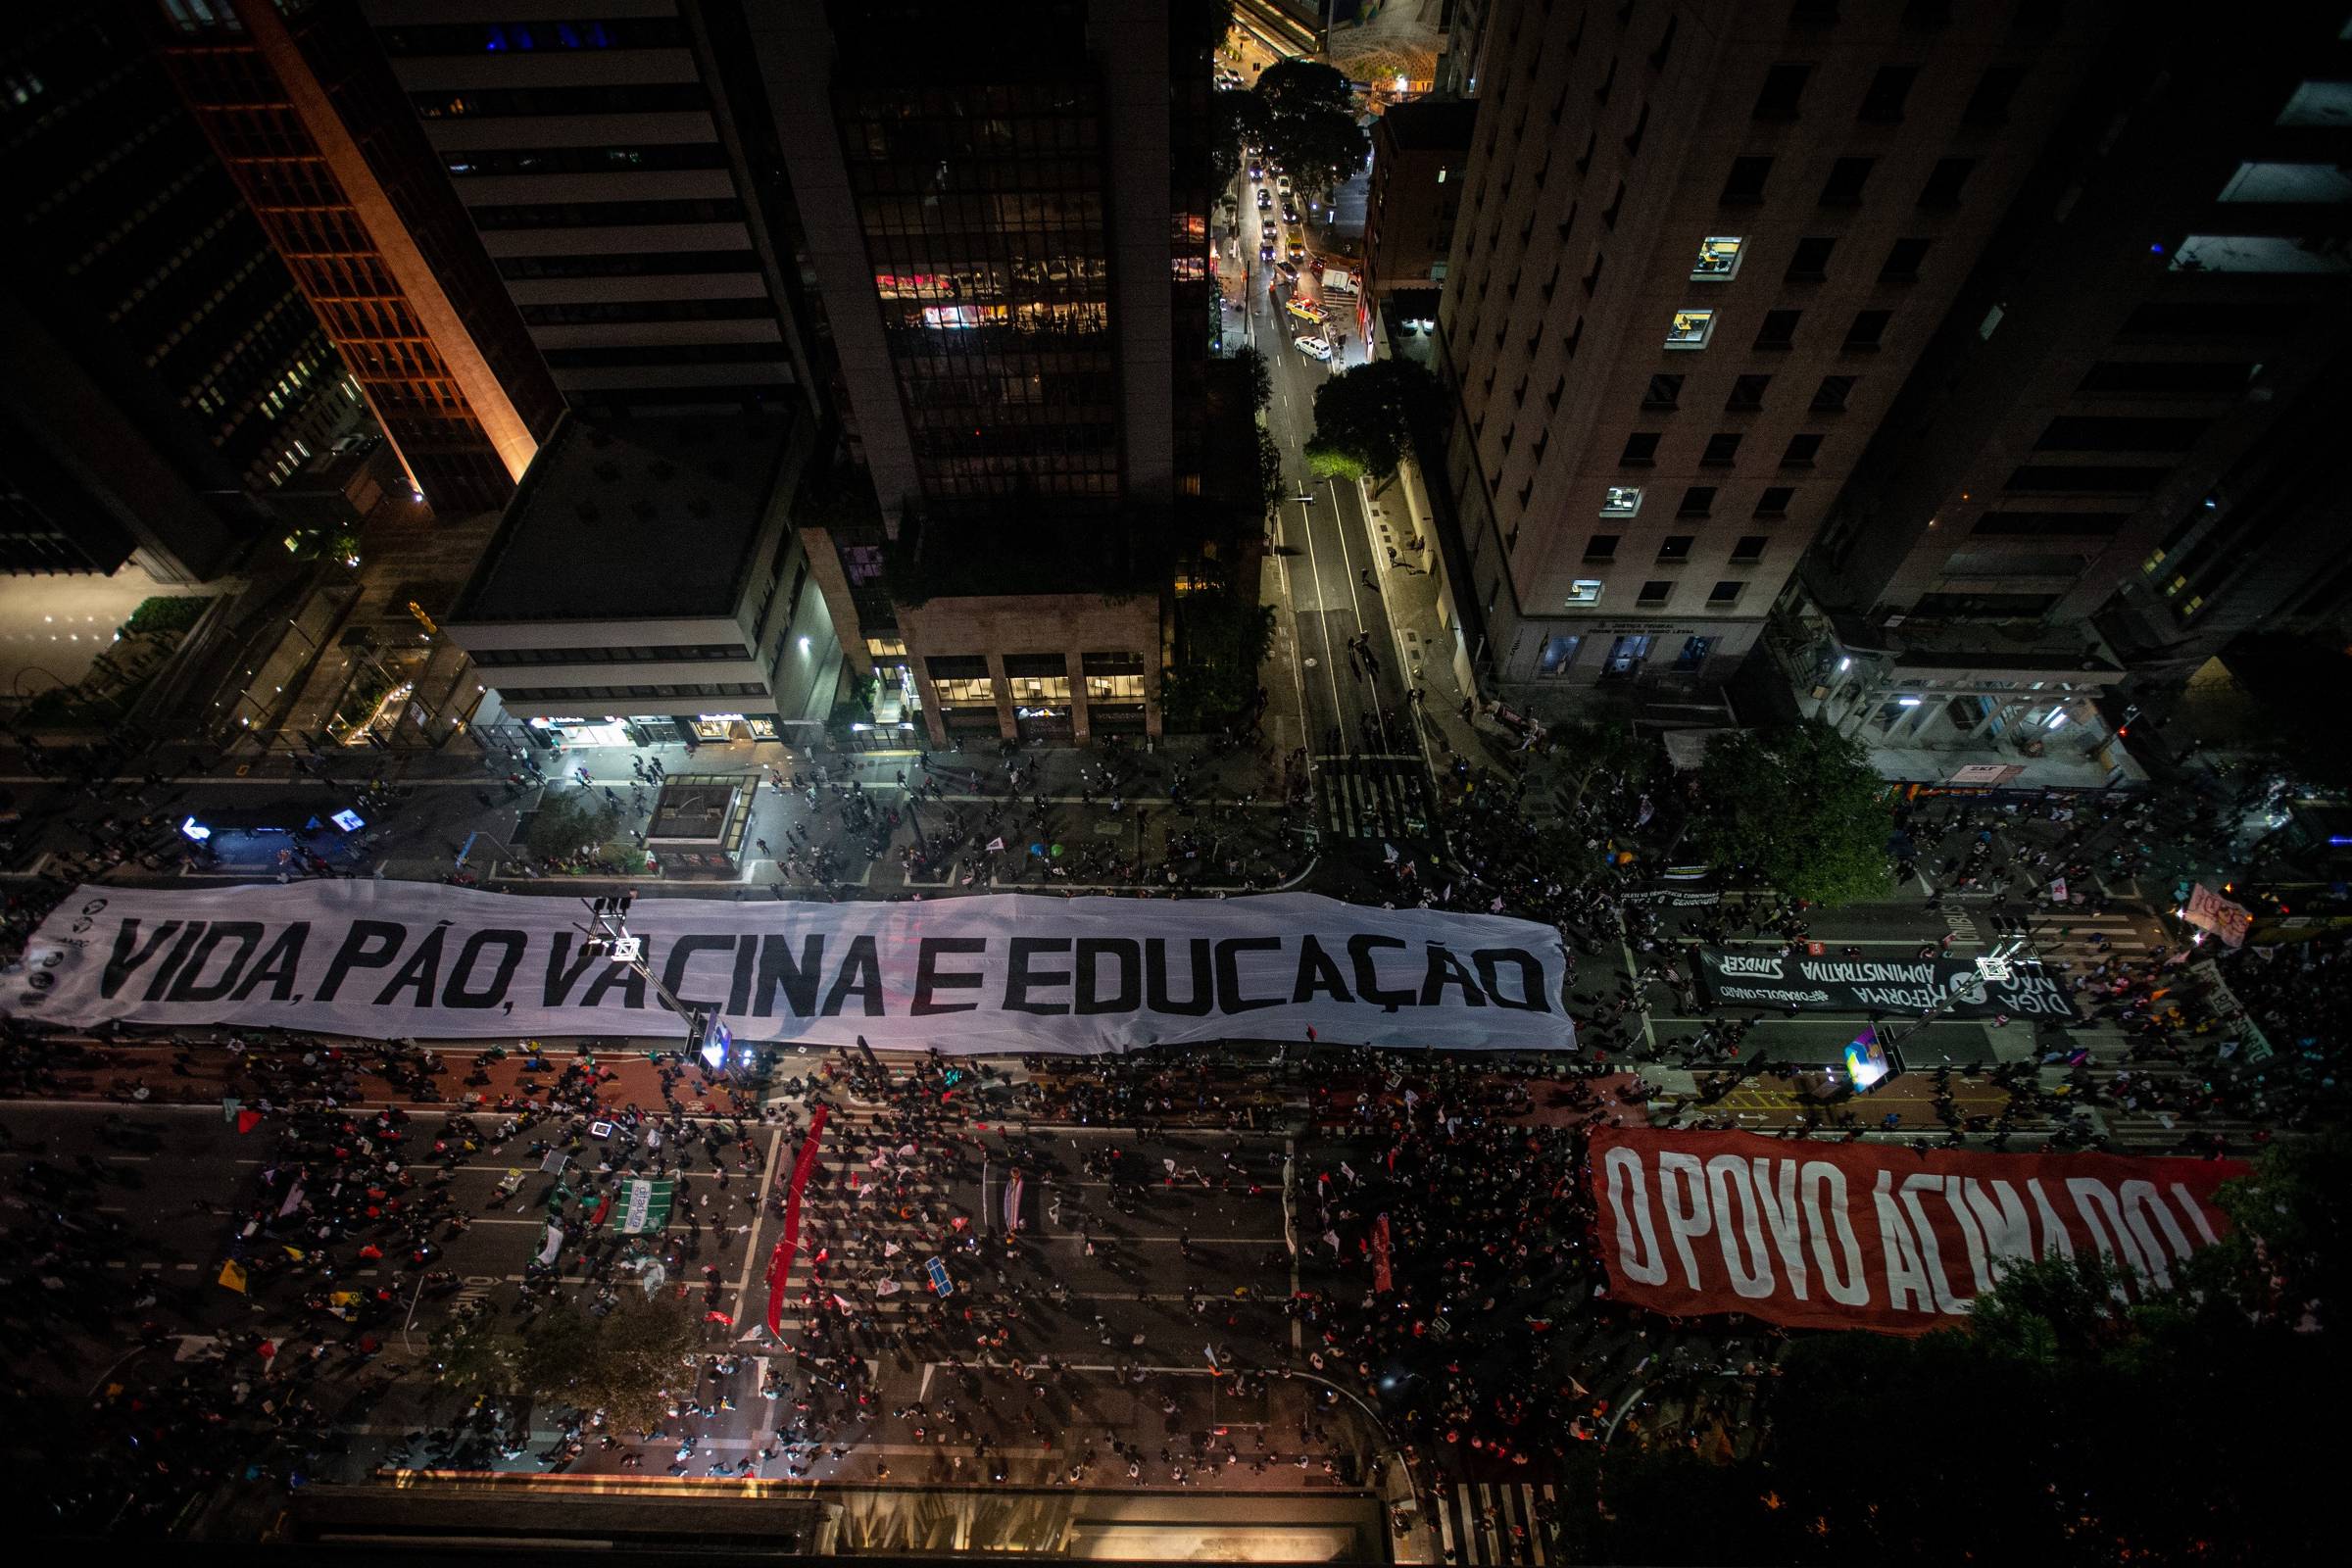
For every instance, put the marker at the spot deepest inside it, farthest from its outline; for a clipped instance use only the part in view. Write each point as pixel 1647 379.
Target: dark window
pixel 1774 502
pixel 1036 667
pixel 1845 185
pixel 1869 326
pixel 1749 550
pixel 1834 390
pixel 1674 549
pixel 1783 87
pixel 2087 480
pixel 1655 592
pixel 1903 260
pixel 1779 330
pixel 1801 451
pixel 600 215
pixel 1813 14
pixel 1726 593
pixel 1745 182
pixel 1699 501
pixel 2094 433
pixel 2169 379
pixel 1747 394
pixel 1882 105
pixel 1640 451
pixel 1988 105
pixel 1944 186
pixel 2061 524
pixel 1922 14
pixel 1601 547
pixel 1723 448
pixel 956 667
pixel 628 264
pixel 1664 394
pixel 1812 259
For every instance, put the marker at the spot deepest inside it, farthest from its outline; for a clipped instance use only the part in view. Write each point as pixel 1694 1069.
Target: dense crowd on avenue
pixel 1433 1243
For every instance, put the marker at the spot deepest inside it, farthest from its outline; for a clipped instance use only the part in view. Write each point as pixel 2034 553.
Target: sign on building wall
pixel 1006 973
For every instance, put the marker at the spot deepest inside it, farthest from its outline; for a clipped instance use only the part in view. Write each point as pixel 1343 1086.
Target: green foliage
pixel 475 1353
pixel 567 823
pixel 1262 375
pixel 623 1364
pixel 1802 807
pixel 1306 122
pixel 1366 419
pixel 165 615
pixel 2284 1261
pixel 1270 471
pixel 1221 643
pixel 1603 749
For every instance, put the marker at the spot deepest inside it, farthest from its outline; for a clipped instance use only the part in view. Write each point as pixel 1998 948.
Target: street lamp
pixel 610 935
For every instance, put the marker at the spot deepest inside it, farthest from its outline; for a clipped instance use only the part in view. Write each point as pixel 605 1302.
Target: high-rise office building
pixel 2120 443
pixel 1701 247
pixel 301 106
pixel 166 375
pixel 615 156
pixel 1005 214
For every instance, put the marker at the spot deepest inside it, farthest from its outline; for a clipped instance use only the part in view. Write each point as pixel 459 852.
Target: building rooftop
pixel 1432 124
pixel 632 519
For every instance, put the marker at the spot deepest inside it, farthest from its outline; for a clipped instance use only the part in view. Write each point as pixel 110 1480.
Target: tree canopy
pixel 567 823
pixel 624 1363
pixel 1799 807
pixel 1365 420
pixel 2059 1426
pixel 1221 643
pixel 1303 115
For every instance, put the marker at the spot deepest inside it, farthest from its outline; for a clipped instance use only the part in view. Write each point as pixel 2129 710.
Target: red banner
pixel 1383 1277
pixel 1854 1236
pixel 788 1245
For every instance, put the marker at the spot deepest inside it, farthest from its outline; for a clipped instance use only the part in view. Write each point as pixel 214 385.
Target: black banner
pixel 1756 977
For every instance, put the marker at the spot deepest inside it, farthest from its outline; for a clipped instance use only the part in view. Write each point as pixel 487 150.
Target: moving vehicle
pixel 1289 270
pixel 1257 171
pixel 1290 213
pixel 1265 200
pixel 1312 347
pixel 1298 252
pixel 1282 183
pixel 1265 250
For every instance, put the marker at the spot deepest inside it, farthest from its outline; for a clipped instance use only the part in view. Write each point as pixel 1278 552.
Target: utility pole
pixel 608 936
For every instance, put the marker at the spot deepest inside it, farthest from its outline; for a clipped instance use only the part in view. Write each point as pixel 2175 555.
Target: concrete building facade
pixel 168 378
pixel 588 620
pixel 299 103
pixel 2121 436
pixel 1419 154
pixel 613 190
pixel 1701 248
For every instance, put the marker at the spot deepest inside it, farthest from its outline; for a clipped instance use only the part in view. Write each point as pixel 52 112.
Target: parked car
pixel 1312 347
pixel 1305 309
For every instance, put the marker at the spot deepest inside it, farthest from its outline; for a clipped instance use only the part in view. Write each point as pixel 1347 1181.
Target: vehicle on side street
pixel 1314 348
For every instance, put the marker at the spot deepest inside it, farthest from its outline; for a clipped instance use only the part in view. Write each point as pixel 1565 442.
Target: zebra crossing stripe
pixel 1451 1553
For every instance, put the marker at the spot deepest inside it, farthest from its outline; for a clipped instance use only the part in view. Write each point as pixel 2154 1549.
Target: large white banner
pixel 1011 973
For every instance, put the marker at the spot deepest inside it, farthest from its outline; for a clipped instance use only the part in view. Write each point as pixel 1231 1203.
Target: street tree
pixel 624 1363
pixel 1221 644
pixel 1366 419
pixel 1270 471
pixel 475 1353
pixel 1260 376
pixel 1802 807
pixel 1305 120
pixel 569 824
pixel 1602 749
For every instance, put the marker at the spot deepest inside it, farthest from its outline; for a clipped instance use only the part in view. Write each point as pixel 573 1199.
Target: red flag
pixel 1383 1280
pixel 788 1245
pixel 248 1120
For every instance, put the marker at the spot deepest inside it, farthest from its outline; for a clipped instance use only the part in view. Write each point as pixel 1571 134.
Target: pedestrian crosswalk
pixel 1374 796
pixel 2065 936
pixel 1494 1522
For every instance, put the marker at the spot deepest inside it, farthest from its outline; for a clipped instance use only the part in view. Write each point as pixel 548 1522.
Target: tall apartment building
pixel 1703 245
pixel 1418 160
pixel 616 157
pixel 1005 207
pixel 298 102
pixel 2126 440
pixel 166 375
